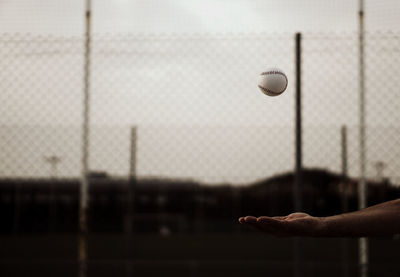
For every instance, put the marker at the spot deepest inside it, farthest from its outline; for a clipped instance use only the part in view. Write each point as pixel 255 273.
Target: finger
pixel 241 220
pixel 262 226
pixel 273 222
pixel 268 218
pixel 250 219
pixel 274 226
pixel 252 222
pixel 296 216
pixel 280 217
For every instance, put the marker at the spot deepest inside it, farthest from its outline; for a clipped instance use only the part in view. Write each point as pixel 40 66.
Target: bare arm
pixel 379 220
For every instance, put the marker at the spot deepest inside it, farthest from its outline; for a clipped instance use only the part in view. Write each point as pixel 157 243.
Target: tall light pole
pixel 344 183
pixel 83 203
pixel 130 196
pixel 362 189
pixel 297 186
pixel 53 161
pixel 379 166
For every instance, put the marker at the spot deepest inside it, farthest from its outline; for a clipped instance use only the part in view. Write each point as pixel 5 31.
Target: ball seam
pixel 274 72
pixel 270 91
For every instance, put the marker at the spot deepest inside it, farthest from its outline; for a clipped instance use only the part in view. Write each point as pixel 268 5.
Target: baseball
pixel 272 82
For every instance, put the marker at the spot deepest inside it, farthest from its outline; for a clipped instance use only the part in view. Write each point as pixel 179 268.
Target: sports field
pixel 190 255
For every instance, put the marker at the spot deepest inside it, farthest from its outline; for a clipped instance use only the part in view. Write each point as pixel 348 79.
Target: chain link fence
pixel 199 115
pixel 196 105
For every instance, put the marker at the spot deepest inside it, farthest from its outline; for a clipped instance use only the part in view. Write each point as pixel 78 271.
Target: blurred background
pixel 133 134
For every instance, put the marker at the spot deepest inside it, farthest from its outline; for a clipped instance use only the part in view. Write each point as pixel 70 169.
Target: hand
pixel 295 224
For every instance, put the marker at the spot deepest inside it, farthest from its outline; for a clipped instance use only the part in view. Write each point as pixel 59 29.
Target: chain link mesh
pixel 195 103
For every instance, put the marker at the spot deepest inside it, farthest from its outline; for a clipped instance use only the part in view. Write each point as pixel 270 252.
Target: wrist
pixel 334 226
pixel 322 228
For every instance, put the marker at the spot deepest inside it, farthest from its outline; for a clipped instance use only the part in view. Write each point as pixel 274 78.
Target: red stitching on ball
pixel 274 72
pixel 270 91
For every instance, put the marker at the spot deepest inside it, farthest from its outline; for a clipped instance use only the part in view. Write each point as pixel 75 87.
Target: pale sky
pixel 191 16
pixel 195 100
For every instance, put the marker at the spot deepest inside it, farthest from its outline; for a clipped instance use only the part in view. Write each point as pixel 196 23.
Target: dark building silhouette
pixel 172 205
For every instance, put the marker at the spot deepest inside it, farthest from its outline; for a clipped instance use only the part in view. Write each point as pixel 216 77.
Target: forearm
pixel 379 220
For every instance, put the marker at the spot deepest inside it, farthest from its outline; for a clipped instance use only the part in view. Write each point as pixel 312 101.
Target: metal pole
pixel 83 203
pixel 379 166
pixel 344 168
pixel 53 161
pixel 362 190
pixel 17 207
pixel 297 199
pixel 132 161
pixel 344 241
pixel 131 191
pixel 297 183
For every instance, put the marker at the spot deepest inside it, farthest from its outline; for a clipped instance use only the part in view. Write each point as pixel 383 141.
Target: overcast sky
pixel 196 103
pixel 177 16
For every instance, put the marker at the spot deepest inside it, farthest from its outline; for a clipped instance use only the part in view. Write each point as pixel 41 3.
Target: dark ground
pixel 248 254
pixel 39 221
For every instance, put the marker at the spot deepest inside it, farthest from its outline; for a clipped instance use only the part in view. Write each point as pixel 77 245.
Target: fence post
pixel 344 184
pixel 362 190
pixel 297 199
pixel 130 200
pixel 297 183
pixel 84 187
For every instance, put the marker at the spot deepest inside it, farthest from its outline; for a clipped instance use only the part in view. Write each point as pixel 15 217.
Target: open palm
pixel 295 224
